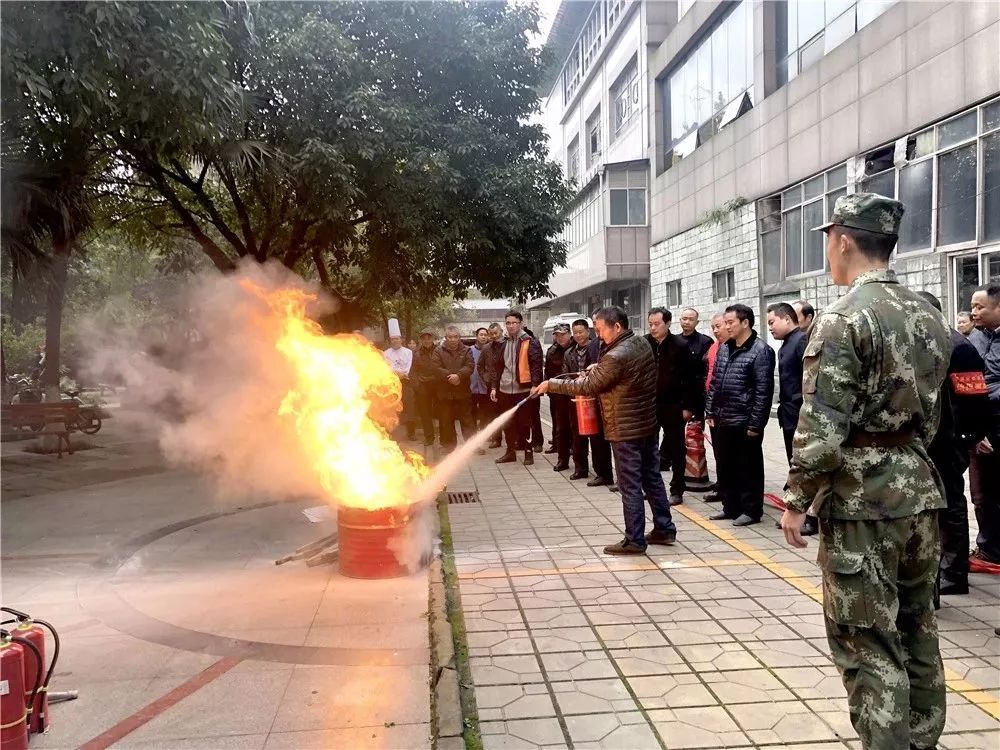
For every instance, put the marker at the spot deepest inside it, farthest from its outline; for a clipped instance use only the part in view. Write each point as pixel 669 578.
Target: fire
pixel 344 400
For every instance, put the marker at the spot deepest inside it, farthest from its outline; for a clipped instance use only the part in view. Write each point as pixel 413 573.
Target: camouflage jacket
pixel 874 362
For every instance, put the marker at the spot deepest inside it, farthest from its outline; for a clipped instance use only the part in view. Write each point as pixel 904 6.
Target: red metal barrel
pixel 364 541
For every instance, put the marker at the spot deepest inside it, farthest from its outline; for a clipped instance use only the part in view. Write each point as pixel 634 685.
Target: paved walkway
pixel 715 642
pixel 179 631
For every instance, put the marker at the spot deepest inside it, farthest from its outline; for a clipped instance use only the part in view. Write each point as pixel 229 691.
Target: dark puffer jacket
pixel 742 385
pixel 625 380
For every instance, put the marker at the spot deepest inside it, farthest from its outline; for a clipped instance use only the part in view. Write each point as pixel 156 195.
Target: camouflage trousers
pixel 878 592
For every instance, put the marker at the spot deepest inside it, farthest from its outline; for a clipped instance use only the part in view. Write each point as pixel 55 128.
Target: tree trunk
pixel 55 296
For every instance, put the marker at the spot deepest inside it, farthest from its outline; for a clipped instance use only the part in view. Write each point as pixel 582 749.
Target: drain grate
pixel 457 498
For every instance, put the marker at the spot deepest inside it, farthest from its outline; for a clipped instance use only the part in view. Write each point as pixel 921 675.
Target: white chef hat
pixel 394 328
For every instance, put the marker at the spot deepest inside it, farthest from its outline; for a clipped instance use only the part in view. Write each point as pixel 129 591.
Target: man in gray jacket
pixel 625 380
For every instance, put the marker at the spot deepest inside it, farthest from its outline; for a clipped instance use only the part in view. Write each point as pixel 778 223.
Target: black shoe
pixel 537 447
pixel 613 488
pixel 506 458
pixel 529 458
pixel 978 554
pixel 676 499
pixel 579 475
pixel 664 467
pixel 624 547
pixel 598 482
pixel 661 537
pixel 745 520
pixel 560 467
pixel 712 497
pixel 721 516
pixel 549 451
pixel 954 588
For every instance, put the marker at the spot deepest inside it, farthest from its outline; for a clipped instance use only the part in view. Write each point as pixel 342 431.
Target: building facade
pixel 762 112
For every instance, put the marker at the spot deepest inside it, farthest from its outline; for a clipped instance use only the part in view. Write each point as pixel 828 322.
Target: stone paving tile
pixel 593 697
pixel 615 614
pixel 501 619
pixel 498 643
pixel 704 727
pixel 699 631
pixel 986 740
pixel 746 686
pixel 780 722
pixel 521 734
pixel 671 691
pixel 790 653
pixel 505 670
pixel 620 731
pixel 812 682
pixel 513 702
pixel 634 662
pixel 578 665
pixel 635 635
pixel 549 640
pixel 712 657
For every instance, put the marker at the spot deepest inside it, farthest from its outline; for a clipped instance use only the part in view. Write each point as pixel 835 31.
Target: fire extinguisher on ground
pixel 33 631
pixel 16 654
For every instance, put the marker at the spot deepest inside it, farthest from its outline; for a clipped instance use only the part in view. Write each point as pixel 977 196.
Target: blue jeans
pixel 638 465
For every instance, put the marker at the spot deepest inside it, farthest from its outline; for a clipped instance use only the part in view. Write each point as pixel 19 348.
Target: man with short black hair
pixel 489 362
pixel 625 380
pixel 964 323
pixel 454 364
pixel 805 313
pixel 481 404
pixel 872 375
pixel 698 345
pixel 738 407
pixel 559 406
pixel 519 369
pixel 678 388
pixel 984 473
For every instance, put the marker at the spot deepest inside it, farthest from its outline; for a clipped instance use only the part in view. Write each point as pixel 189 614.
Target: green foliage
pixel 718 216
pixel 20 344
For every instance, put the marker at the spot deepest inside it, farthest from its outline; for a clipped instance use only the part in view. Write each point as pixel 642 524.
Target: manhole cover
pixel 456 498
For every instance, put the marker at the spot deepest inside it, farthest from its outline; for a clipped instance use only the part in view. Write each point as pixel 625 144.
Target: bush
pixel 20 344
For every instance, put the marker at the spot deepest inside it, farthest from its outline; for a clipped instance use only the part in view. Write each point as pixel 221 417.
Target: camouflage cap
pixel 561 328
pixel 870 212
pixel 428 332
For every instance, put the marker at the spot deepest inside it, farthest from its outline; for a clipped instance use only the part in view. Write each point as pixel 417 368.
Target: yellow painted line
pixel 971 692
pixel 583 570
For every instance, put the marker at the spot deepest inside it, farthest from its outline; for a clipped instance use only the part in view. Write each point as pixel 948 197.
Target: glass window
pixel 883 184
pixel 813 187
pixel 836 178
pixel 966 279
pixel 957 130
pixel 771 249
pixel 992 269
pixel 723 284
pixel 991 116
pixel 673 293
pixel 811 19
pixel 573 159
pixel 838 31
pixel 593 137
pixel 869 10
pixel 625 97
pixel 916 191
pixel 791 197
pixel 619 207
pixel 793 242
pixel 813 216
pixel 920 144
pixel 957 195
pixel 717 72
pixel 991 187
pixel 811 53
pixel 637 207
pixel 831 202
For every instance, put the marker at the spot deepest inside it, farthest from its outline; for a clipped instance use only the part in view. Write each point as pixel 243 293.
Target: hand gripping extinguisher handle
pixel 38 660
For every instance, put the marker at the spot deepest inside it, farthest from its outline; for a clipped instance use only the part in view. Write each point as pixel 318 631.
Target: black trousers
pixel 952 461
pixel 537 439
pixel 424 400
pixel 984 479
pixel 482 410
pixel 451 411
pixel 673 452
pixel 517 431
pixel 788 435
pixel 562 429
pixel 599 447
pixel 740 471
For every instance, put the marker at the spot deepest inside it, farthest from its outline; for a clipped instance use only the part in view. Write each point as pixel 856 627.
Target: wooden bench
pixel 19 420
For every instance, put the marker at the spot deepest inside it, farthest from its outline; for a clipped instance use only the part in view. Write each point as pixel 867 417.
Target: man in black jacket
pixel 676 380
pixel 453 365
pixel 489 361
pixel 625 380
pixel 738 407
pixel 783 322
pixel 559 405
pixel 698 345
pixel 965 420
pixel 583 353
pixel 423 377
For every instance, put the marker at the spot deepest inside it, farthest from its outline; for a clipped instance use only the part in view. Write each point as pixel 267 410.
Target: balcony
pixel 599 26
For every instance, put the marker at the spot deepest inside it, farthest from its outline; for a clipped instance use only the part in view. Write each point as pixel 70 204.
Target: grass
pixel 453 598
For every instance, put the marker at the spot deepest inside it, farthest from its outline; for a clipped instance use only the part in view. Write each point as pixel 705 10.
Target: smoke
pixel 212 383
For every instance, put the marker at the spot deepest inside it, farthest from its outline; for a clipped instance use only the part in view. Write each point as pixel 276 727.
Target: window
pixel 723 285
pixel 625 98
pixel 573 159
pixel 712 86
pixel 788 246
pixel 603 18
pixel 594 138
pixel 584 219
pixel 947 175
pixel 627 197
pixel 630 300
pixel 808 29
pixel 673 293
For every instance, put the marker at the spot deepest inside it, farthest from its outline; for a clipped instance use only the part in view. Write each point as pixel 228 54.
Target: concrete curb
pixel 454 718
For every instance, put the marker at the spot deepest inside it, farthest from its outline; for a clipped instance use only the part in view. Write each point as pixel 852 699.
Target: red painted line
pixel 146 714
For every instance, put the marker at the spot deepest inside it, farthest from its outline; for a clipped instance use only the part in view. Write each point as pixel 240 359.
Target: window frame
pixel 573 158
pixel 668 287
pixel 729 275
pixel 594 123
pixel 628 205
pixel 625 84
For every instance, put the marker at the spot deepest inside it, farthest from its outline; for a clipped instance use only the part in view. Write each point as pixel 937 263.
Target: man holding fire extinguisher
pixel 625 380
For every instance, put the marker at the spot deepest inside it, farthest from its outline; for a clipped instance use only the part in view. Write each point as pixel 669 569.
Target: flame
pixel 344 400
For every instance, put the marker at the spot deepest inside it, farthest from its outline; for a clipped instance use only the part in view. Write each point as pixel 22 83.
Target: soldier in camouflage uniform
pixel 873 369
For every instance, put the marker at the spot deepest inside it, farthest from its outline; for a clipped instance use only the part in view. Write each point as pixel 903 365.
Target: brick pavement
pixel 715 642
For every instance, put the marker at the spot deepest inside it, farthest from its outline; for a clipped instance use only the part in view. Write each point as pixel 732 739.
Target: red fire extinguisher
pixel 587 417
pixel 13 706
pixel 31 630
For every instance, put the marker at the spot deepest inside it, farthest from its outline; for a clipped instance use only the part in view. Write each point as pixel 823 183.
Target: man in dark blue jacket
pixel 737 408
pixel 783 323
